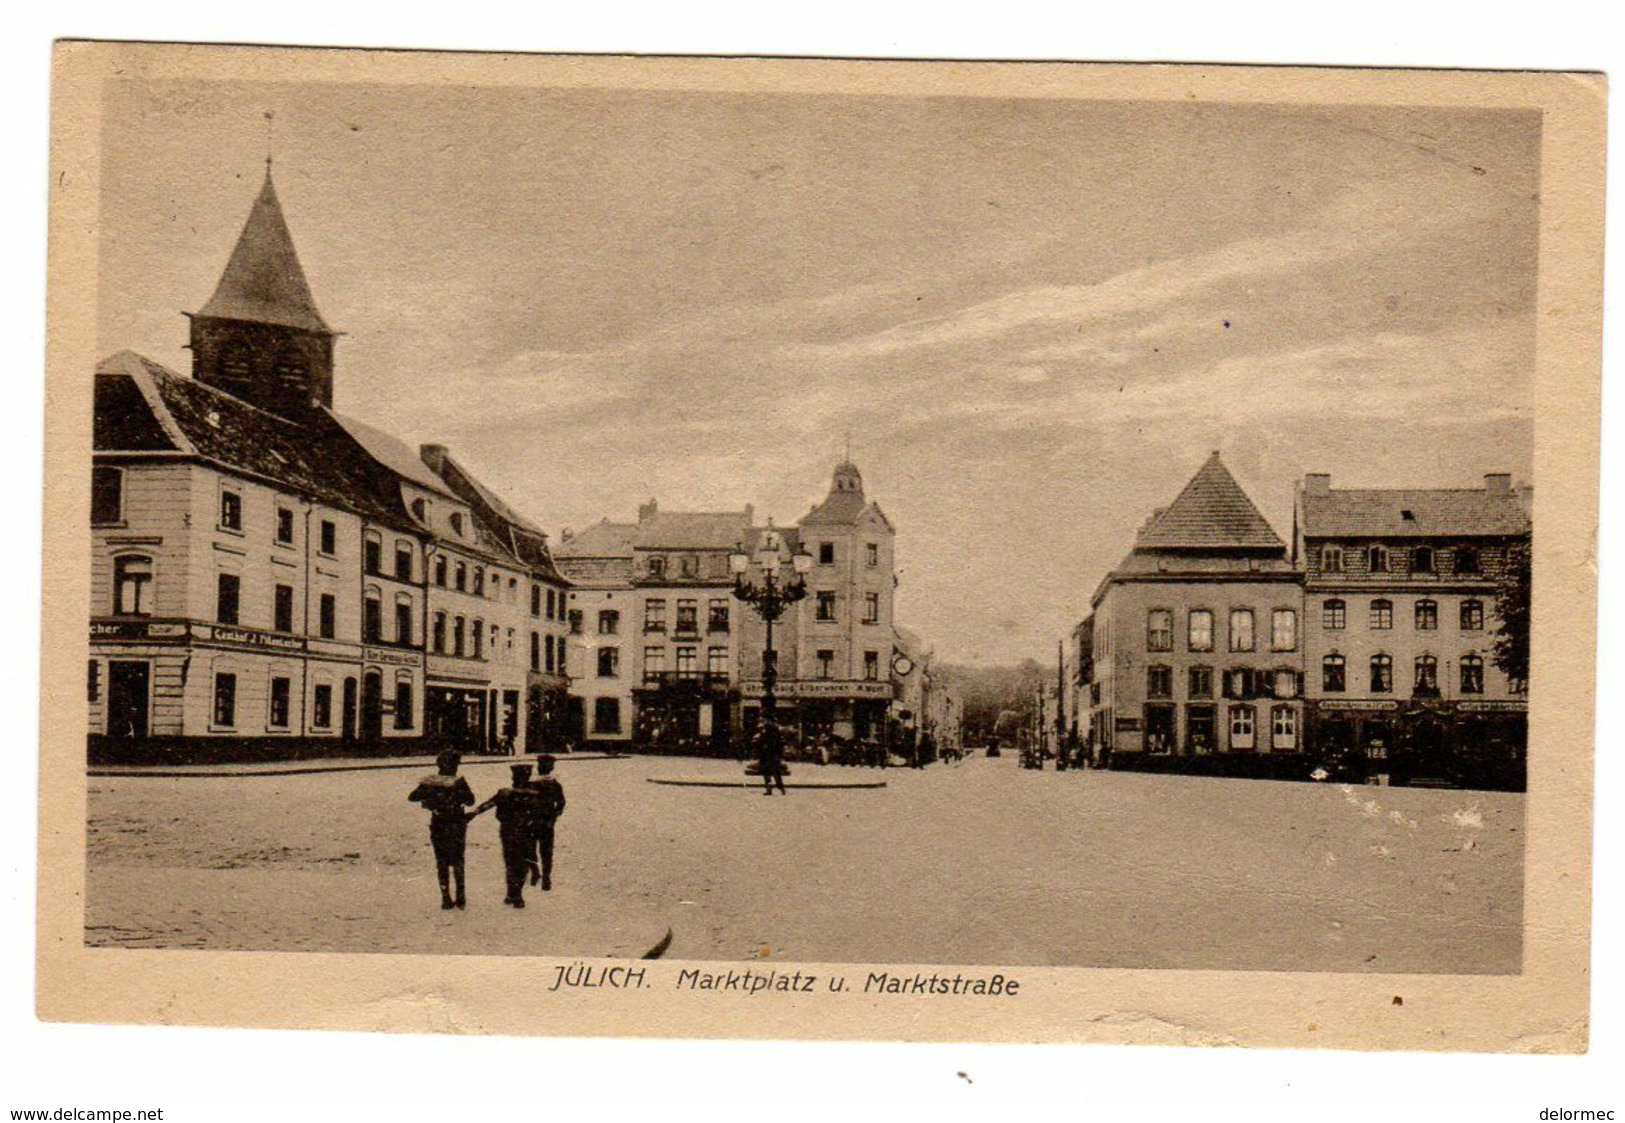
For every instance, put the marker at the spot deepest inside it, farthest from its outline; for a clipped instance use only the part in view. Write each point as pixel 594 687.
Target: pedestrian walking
pixel 771 759
pixel 549 806
pixel 516 818
pixel 445 794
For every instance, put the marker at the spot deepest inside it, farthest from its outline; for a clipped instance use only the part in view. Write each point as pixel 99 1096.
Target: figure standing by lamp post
pixel 770 599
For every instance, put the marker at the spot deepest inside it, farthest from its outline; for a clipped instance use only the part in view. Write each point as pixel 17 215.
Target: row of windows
pixel 455 635
pixel 826 607
pixel 553 608
pixel 1159 630
pixel 279 703
pixel 132 578
pixel 1382 559
pixel 1425 682
pixel 1334 615
pixel 1241 725
pixel 717 663
pixel 687 621
pixel 457 575
pixel 554 663
pixel 687 662
pixel 1236 682
pixel 688 565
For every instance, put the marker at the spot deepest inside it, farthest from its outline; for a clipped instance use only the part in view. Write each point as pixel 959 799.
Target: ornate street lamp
pixel 770 599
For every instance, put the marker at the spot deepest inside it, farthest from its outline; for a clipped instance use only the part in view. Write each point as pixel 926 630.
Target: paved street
pixel 976 863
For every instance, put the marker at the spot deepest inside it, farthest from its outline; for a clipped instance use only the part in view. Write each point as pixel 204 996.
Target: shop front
pixel 684 714
pixel 845 713
pixel 1470 744
pixel 460 715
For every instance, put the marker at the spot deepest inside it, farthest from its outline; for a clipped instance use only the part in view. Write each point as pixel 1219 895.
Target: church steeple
pixel 260 337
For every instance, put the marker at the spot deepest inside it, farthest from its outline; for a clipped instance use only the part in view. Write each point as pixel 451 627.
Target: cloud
pixel 1359 222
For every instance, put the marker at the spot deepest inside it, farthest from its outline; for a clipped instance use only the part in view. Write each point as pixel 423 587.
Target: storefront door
pixel 372 706
pixel 347 718
pixel 128 687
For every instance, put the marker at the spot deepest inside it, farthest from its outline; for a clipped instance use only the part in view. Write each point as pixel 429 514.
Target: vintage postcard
pixel 826 549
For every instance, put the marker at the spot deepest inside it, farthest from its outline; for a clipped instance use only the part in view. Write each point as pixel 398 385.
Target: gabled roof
pixel 394 454
pixel 314 457
pixel 841 507
pixel 439 460
pixel 597 572
pixel 603 539
pixel 124 420
pixel 492 516
pixel 1212 512
pixel 691 530
pixel 264 281
pixel 1433 512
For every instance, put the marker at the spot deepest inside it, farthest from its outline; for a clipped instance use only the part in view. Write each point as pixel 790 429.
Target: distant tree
pixel 1512 597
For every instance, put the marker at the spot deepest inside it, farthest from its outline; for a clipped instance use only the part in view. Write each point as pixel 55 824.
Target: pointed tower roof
pixel 263 281
pixel 845 502
pixel 1212 512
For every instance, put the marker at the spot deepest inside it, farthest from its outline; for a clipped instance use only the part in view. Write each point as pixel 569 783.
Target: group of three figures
pixel 527 811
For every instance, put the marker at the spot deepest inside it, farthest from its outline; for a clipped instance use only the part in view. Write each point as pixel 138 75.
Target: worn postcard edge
pixel 1544 1009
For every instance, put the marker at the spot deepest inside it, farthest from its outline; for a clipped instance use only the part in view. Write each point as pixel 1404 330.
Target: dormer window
pixel 457 523
pixel 1408 515
pixel 657 567
pixel 1422 559
pixel 1379 559
pixel 420 510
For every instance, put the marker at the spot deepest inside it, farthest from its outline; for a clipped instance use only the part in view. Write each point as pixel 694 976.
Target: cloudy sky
pixel 1034 317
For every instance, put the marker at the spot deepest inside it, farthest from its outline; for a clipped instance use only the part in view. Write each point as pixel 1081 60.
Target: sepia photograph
pixel 902 537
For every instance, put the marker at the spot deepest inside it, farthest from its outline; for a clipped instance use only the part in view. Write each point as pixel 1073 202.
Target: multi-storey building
pixel 599 609
pixel 657 657
pixel 1197 652
pixel 687 647
pixel 529 615
pixel 268 575
pixel 834 647
pixel 1400 594
pixel 1076 680
pixel 664 657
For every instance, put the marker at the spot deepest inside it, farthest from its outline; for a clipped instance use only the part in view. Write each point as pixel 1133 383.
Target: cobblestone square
pixel 977 863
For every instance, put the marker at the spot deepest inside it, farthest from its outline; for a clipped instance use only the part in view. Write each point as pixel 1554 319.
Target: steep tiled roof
pixel 124 421
pixel 843 507
pixel 264 280
pixel 1382 513
pixel 603 539
pixel 1211 513
pixel 691 530
pixel 315 457
pixel 462 481
pixel 394 454
pixel 492 517
pixel 597 572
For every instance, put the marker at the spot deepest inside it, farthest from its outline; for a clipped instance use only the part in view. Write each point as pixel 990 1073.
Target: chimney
pixel 1317 483
pixel 434 456
pixel 1498 482
pixel 647 511
pixel 750 514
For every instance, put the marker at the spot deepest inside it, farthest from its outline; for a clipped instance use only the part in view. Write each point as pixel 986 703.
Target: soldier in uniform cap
pixel 445 794
pixel 549 806
pixel 516 818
